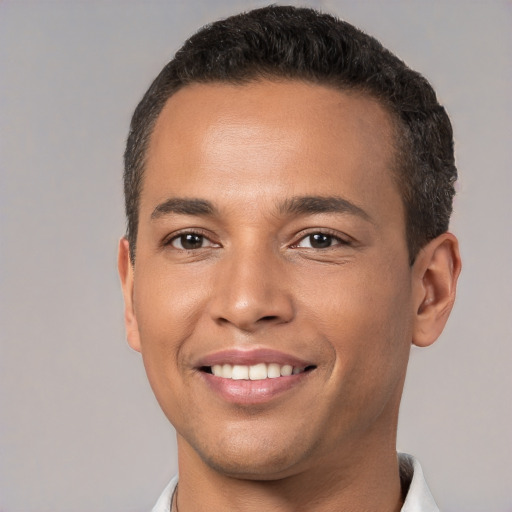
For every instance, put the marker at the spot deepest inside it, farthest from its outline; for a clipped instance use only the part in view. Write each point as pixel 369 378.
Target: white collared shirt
pixel 418 499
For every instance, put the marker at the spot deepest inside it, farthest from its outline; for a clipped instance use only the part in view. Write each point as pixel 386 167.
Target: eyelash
pixel 196 232
pixel 334 236
pixel 340 241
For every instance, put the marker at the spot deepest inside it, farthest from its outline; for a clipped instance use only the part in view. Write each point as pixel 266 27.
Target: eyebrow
pixel 299 205
pixel 183 206
pixel 303 205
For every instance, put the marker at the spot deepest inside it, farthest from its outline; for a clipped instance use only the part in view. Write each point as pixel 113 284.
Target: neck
pixel 358 483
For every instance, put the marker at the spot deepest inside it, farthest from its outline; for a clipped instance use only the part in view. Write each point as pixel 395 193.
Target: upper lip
pixel 251 357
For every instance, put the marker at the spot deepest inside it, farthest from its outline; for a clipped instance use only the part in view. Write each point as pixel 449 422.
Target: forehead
pixel 304 105
pixel 276 137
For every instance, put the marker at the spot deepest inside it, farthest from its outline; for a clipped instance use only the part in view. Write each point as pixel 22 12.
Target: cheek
pixel 163 307
pixel 364 316
pixel 166 303
pixel 360 292
pixel 167 307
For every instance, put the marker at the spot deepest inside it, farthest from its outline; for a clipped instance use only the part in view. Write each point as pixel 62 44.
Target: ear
pixel 125 268
pixel 435 273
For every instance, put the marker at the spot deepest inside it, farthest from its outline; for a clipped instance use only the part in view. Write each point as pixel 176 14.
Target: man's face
pixel 271 238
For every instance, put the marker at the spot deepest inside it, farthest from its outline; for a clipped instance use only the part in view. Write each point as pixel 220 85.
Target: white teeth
pixel 227 371
pixel 286 370
pixel 217 370
pixel 258 371
pixel 273 371
pixel 240 372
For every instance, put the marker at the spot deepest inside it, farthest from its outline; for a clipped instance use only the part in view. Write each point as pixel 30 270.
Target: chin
pixel 267 467
pixel 255 457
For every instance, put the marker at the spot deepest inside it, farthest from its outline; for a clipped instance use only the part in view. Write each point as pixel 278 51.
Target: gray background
pixel 80 430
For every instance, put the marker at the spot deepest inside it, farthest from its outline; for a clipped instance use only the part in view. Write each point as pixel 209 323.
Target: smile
pixel 256 376
pixel 260 371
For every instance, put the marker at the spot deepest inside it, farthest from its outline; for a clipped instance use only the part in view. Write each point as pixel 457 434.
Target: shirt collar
pixel 418 498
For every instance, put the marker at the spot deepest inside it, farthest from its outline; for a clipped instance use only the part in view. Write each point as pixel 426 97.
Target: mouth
pixel 256 376
pixel 259 371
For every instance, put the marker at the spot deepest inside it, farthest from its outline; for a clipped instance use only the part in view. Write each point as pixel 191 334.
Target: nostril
pixel 249 315
pixel 268 318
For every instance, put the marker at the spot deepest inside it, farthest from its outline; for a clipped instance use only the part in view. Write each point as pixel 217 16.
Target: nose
pixel 251 291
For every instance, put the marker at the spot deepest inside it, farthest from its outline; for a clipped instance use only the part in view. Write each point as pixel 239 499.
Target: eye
pixel 191 241
pixel 320 241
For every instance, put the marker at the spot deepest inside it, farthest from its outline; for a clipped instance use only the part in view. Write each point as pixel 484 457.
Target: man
pixel 288 188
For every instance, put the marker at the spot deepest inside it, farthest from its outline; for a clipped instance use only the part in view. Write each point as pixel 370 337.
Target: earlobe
pixel 125 269
pixel 435 273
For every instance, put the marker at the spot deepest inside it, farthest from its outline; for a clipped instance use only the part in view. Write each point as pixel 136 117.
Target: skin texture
pixel 350 309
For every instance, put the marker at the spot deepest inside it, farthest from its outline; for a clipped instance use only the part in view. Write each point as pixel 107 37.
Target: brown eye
pixel 189 241
pixel 321 241
pixel 317 241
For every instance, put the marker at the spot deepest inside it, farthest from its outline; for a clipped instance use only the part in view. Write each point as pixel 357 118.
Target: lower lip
pixel 252 391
